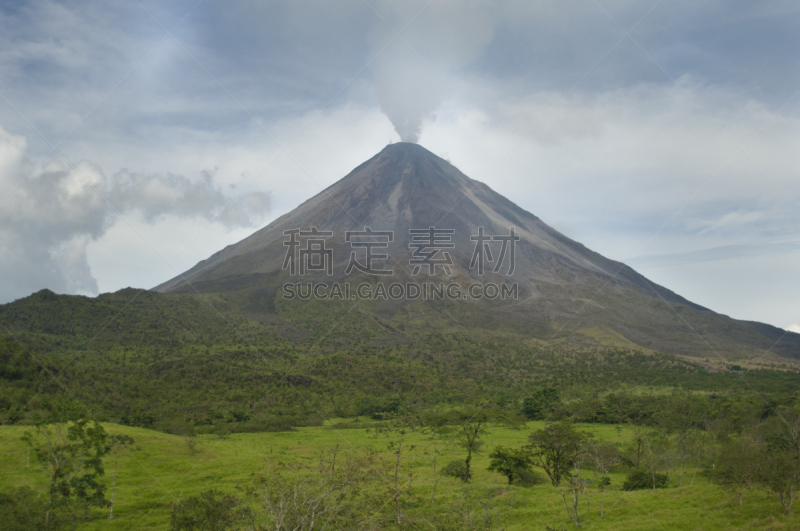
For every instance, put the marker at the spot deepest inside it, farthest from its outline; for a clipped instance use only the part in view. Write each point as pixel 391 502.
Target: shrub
pixel 509 462
pixel 23 509
pixel 528 478
pixel 641 479
pixel 455 469
pixel 209 511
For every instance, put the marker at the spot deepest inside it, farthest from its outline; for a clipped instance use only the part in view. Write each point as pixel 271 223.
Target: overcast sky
pixel 139 138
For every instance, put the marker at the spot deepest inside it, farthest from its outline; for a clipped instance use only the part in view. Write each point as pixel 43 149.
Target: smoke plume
pixel 412 70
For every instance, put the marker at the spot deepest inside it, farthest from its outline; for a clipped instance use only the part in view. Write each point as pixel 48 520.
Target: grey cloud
pixel 713 254
pixel 48 219
pixel 159 195
pixel 286 58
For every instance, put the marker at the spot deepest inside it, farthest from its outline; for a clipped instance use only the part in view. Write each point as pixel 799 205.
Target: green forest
pixel 137 410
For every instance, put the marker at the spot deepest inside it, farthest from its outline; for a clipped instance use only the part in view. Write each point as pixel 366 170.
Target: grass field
pixel 167 467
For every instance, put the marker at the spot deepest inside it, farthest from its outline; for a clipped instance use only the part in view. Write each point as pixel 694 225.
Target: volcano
pixel 424 221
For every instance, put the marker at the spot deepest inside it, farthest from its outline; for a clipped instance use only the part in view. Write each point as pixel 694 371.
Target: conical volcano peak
pixel 404 188
pixel 405 149
pixel 390 202
pixel 403 162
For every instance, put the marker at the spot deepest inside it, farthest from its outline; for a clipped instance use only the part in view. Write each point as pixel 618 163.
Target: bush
pixel 528 478
pixel 209 511
pixel 644 480
pixel 455 469
pixel 23 510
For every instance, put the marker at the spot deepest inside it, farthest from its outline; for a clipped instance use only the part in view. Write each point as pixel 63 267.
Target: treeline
pixel 728 412
pixel 281 385
pixel 171 362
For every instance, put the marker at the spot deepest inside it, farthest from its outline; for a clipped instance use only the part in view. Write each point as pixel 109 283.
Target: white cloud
pixel 644 152
pixel 49 217
pixel 794 328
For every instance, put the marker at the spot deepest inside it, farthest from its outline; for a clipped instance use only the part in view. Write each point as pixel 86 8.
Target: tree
pixel 119 445
pixel 779 475
pixel 637 446
pixel 23 509
pixel 604 456
pixel 537 406
pixel 400 424
pixel 479 509
pixel 740 463
pixel 555 447
pixel 471 424
pixel 577 487
pixel 687 446
pixel 511 462
pixel 779 470
pixel 310 498
pixel 658 454
pixel 71 453
pixel 469 437
pixel 437 429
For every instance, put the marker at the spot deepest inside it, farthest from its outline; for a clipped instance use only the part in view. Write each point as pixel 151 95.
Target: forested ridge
pixel 160 358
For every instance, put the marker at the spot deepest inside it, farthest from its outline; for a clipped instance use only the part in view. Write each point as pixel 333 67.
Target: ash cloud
pixel 48 219
pixel 412 69
pixel 408 89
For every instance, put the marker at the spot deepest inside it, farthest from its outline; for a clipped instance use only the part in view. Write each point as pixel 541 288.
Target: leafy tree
pixel 471 424
pixel 779 475
pixel 511 462
pixel 779 470
pixel 537 406
pixel 71 453
pixel 740 463
pixel 658 454
pixel 455 469
pixel 555 447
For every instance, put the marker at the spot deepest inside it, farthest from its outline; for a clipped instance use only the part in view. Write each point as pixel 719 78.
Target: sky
pixel 139 137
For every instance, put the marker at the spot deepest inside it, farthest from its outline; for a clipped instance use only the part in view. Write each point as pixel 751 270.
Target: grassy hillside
pixel 167 469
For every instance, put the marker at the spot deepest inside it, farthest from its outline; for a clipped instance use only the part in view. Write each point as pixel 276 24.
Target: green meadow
pixel 164 469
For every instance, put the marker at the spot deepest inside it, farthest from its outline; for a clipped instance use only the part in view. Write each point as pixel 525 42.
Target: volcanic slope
pixel 565 290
